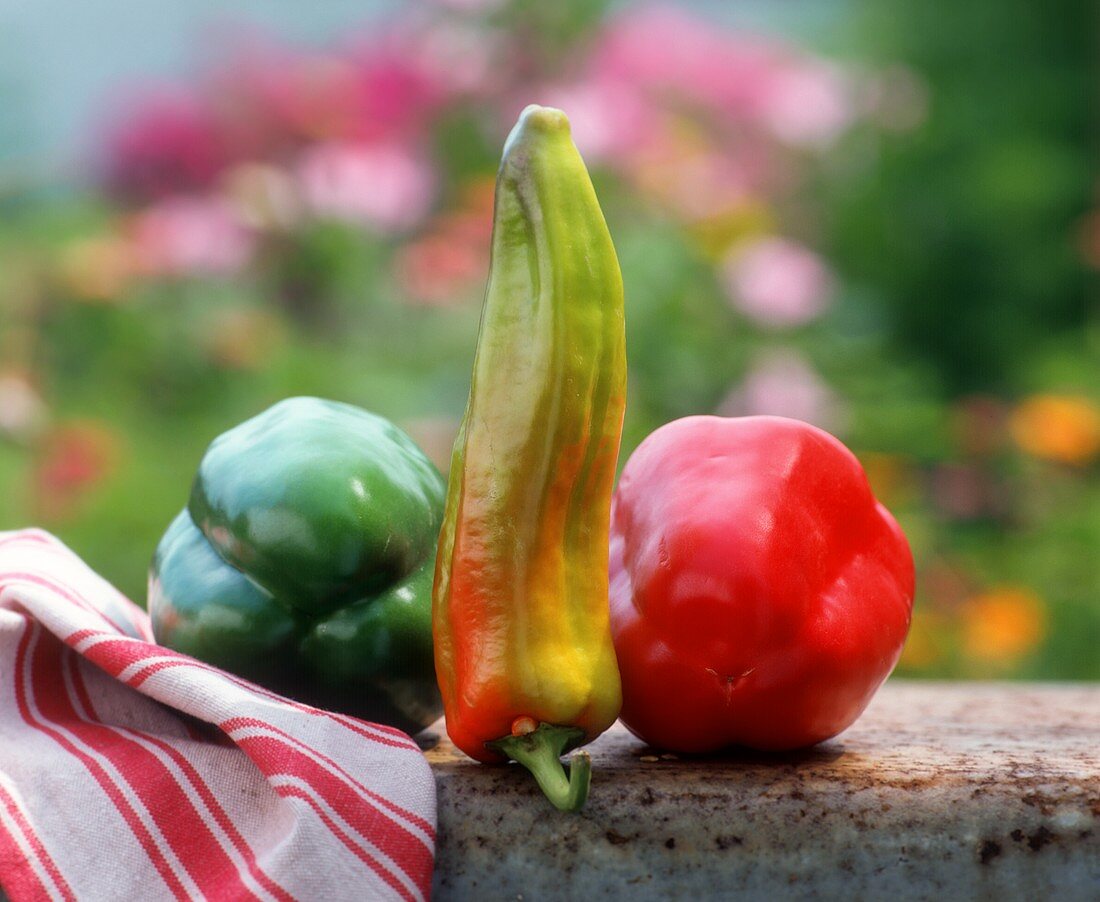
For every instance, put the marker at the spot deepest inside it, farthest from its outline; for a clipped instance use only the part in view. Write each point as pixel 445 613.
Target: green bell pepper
pixel 304 562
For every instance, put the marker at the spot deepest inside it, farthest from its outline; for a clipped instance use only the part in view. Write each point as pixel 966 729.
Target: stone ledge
pixel 941 790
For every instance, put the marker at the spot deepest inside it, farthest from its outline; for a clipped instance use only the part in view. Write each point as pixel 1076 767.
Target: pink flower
pixel 693 183
pixel 190 236
pixel 807 104
pixel 964 491
pixel 777 282
pixel 609 119
pixel 461 59
pixel 407 72
pixel 437 272
pixel 381 186
pixel 738 78
pixel 396 96
pixel 23 413
pixel 169 142
pixel 271 99
pixel 385 87
pixel 783 383
pixel 470 6
pixel 447 263
pixel 672 52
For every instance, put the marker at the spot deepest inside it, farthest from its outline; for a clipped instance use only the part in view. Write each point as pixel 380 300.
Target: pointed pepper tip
pixel 536 121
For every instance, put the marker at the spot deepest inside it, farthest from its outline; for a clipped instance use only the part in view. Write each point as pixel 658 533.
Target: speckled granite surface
pixel 940 791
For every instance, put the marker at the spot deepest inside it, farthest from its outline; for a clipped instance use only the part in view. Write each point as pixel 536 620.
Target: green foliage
pixel 966 229
pixel 953 346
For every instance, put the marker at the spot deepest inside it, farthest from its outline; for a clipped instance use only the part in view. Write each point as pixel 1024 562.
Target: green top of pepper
pixel 304 561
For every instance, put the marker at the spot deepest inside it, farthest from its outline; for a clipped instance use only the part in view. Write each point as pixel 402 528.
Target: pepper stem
pixel 540 752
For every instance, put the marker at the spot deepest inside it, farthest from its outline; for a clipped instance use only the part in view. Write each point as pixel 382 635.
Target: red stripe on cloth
pixel 156 667
pixel 47 679
pixel 237 723
pixel 20 875
pixel 276 757
pixel 28 536
pixel 201 788
pixel 220 815
pixel 155 794
pixel 44 542
pixel 108 656
pixel 114 654
pixel 172 812
pixel 80 635
pixel 368 728
pixel 402 741
pixel 354 847
pixel 129 652
pixel 114 662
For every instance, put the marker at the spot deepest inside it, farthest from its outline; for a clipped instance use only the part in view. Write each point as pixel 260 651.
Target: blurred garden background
pixel 874 215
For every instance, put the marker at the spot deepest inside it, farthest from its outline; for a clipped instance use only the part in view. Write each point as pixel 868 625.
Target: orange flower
pixel 1002 625
pixel 242 339
pixel 1089 239
pixel 1062 428
pixel 924 648
pixel 890 475
pixel 97 269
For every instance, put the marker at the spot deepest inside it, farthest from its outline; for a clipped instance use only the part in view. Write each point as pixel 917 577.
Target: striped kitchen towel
pixel 128 771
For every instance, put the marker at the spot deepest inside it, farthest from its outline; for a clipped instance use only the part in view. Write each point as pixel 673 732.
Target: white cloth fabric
pixel 128 771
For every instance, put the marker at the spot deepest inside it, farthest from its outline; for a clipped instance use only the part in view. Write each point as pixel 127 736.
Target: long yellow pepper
pixel 520 605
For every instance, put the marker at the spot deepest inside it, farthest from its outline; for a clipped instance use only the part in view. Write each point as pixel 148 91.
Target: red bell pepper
pixel 760 594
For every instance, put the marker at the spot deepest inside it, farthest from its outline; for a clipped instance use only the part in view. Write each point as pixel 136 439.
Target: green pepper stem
pixel 540 752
